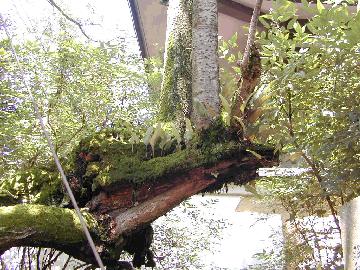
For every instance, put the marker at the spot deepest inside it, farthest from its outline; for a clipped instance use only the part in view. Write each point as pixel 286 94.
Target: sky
pixel 103 20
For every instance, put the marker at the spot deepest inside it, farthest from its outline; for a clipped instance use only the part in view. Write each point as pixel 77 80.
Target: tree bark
pixel 250 76
pixel 350 229
pixel 205 67
pixel 114 214
pixel 175 96
pixel 45 226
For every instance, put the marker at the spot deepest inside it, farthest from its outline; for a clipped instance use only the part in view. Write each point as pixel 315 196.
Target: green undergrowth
pixel 40 185
pixel 46 222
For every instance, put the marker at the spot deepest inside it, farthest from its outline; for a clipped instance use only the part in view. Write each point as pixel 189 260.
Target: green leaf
pixel 297 28
pixel 241 122
pixel 236 69
pixel 133 140
pixel 175 132
pixel 264 22
pixel 231 58
pixel 148 134
pixel 158 133
pixel 252 189
pixel 225 104
pixel 233 40
pixel 295 156
pixel 258 156
pixel 165 142
pixel 320 7
pixel 290 25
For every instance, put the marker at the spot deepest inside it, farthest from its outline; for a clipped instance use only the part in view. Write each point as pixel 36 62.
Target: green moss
pixel 135 170
pixel 56 224
pixel 36 185
pixel 122 163
pixel 93 169
pixel 175 97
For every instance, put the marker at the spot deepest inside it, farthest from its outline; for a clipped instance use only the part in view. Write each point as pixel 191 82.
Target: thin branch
pixel 79 25
pixel 53 259
pixel 66 263
pixel 314 169
pixel 252 31
pixel 29 257
pixel 250 76
pixel 38 254
pixel 80 266
pixel 22 262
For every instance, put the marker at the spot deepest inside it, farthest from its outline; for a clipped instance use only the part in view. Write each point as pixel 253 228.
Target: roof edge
pixel 135 14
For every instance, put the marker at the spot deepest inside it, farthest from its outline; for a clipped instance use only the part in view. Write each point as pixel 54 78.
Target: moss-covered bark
pixel 175 98
pixel 119 163
pixel 39 225
pixel 125 189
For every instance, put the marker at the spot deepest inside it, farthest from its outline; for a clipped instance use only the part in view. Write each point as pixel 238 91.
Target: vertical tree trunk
pixel 350 230
pixel 205 67
pixel 175 98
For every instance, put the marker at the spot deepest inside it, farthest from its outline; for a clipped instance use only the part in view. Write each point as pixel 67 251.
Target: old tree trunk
pixel 123 188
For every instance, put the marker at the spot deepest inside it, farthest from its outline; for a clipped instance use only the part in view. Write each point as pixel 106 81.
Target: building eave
pixel 138 28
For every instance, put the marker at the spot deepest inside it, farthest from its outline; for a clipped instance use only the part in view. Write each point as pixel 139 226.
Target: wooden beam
pixel 139 29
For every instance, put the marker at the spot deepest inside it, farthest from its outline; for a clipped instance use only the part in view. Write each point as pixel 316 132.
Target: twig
pixel 66 263
pixel 79 25
pixel 38 254
pixel 53 259
pixel 252 31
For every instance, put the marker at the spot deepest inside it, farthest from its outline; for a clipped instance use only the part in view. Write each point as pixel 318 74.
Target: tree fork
pixel 250 75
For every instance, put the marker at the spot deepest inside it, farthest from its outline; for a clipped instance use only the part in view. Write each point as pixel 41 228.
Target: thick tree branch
pixel 205 66
pixel 52 227
pixel 120 210
pixel 41 226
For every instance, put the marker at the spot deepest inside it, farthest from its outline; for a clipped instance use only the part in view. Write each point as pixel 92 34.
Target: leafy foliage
pixel 312 76
pixel 307 106
pixel 80 89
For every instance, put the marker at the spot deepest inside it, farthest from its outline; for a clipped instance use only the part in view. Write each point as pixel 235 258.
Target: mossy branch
pixel 42 226
pixel 124 190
